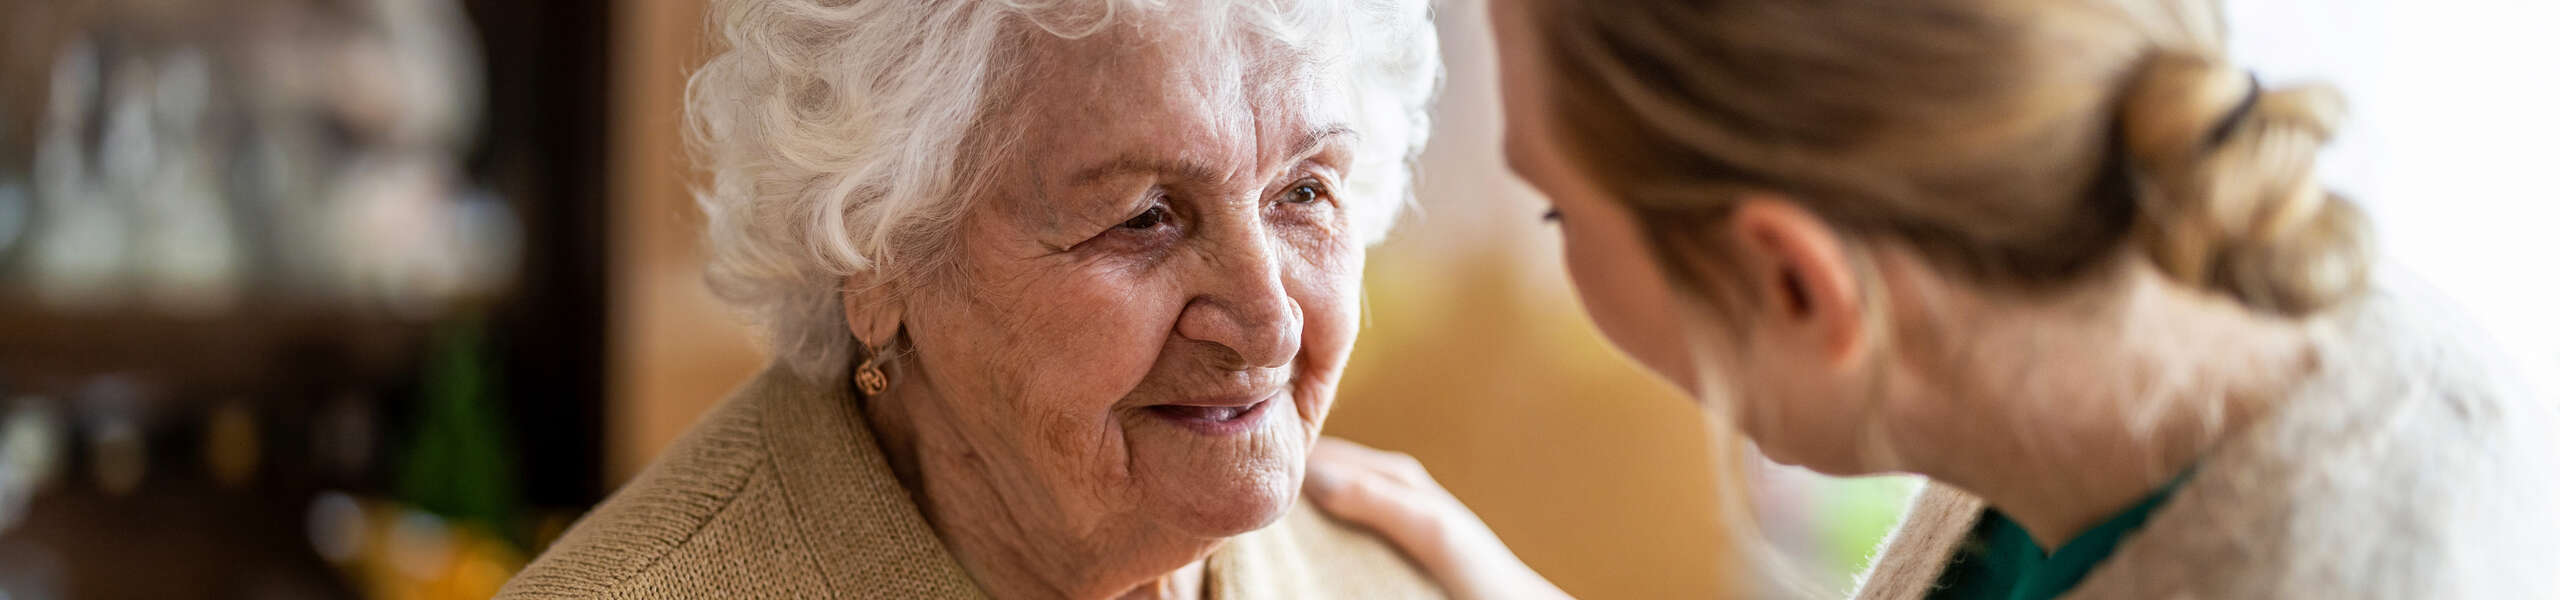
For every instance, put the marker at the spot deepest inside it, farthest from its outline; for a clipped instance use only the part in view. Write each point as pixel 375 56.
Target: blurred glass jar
pixel 31 451
pixel 195 153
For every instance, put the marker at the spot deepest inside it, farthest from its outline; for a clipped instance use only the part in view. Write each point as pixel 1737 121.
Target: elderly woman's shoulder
pixel 699 521
pixel 776 493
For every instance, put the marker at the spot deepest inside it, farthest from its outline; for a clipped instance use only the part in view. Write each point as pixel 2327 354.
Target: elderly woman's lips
pixel 1223 419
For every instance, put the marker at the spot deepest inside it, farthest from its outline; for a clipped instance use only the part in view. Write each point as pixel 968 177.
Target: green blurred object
pixel 456 465
pixel 1856 514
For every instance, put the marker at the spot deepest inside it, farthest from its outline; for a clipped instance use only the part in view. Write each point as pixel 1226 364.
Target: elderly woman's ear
pixel 871 310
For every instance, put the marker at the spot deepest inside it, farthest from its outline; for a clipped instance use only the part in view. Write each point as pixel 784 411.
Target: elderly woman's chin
pixel 1219 471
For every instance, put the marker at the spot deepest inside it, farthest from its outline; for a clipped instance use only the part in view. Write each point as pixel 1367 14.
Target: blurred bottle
pixel 78 246
pixel 14 199
pixel 456 463
pixel 31 435
pixel 14 213
pixel 190 257
pixel 116 410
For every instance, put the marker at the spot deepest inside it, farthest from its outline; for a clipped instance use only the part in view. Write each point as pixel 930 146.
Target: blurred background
pixel 371 298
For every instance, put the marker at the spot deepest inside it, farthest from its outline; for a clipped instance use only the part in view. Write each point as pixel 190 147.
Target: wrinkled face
pixel 1157 293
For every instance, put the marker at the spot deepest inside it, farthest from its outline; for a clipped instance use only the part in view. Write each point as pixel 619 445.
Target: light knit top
pixel 781 492
pixel 2414 464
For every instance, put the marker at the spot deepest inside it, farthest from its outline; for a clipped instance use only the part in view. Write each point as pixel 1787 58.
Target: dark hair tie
pixel 2231 120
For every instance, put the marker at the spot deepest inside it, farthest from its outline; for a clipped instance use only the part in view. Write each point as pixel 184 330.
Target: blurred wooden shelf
pixel 43 349
pixel 174 538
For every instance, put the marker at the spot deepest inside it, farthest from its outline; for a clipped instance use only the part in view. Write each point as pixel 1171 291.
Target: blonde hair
pixel 2021 142
pixel 847 138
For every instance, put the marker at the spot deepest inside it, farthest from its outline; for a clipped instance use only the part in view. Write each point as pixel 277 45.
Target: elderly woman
pixel 2062 257
pixel 1058 296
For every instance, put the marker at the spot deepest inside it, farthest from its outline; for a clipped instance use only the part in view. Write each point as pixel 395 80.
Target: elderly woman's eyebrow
pixel 1307 144
pixel 1139 162
pixel 1314 140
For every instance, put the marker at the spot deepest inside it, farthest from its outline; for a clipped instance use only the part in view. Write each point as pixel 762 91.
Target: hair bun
pixel 2224 182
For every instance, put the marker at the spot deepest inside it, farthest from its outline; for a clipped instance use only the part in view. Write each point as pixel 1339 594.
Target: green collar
pixel 2000 562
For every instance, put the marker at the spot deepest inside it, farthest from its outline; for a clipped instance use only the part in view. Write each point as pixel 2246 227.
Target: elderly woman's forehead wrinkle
pixel 1191 111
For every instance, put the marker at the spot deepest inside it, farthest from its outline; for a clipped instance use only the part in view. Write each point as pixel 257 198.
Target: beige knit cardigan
pixel 2413 466
pixel 781 492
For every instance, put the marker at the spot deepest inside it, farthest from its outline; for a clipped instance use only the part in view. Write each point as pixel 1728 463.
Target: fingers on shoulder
pixel 1388 463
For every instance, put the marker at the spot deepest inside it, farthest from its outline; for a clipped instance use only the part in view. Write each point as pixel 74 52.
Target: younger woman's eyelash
pixel 1552 216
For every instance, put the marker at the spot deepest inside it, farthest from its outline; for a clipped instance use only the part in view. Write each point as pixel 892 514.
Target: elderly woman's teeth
pixel 1213 420
pixel 1210 413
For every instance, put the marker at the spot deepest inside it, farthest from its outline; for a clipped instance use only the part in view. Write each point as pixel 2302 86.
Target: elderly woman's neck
pixel 2063 414
pixel 1002 548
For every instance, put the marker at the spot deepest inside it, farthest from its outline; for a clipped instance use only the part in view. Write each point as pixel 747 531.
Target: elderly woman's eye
pixel 1154 216
pixel 1305 192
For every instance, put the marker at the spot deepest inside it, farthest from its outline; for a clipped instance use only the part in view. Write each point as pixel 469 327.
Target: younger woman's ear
pixel 1800 272
pixel 870 310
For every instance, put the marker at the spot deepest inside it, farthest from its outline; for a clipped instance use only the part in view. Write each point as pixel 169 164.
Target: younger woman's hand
pixel 1391 493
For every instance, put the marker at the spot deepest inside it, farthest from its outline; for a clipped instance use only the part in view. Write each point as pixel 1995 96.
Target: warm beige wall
pixel 1476 358
pixel 1478 361
pixel 675 351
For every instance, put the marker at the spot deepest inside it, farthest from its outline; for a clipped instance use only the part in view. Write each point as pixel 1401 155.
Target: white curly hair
pixel 838 133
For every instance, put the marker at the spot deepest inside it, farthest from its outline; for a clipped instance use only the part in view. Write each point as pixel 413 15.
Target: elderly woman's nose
pixel 1244 306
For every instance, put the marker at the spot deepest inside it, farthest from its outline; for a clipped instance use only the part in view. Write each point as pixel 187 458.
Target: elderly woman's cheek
pixel 1327 289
